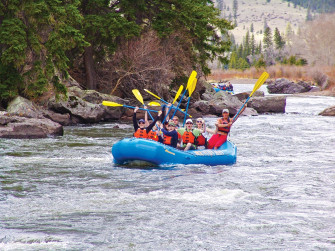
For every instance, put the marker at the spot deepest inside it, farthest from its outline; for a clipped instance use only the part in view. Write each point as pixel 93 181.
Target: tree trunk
pixel 91 80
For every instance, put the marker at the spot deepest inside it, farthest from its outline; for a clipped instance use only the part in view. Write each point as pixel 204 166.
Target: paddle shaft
pixel 139 108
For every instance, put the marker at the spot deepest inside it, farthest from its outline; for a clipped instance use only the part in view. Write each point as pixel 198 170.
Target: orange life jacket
pixel 153 135
pixel 188 137
pixel 167 140
pixel 224 129
pixel 141 133
pixel 201 140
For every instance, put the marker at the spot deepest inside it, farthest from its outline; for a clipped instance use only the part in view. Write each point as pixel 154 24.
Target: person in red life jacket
pixel 223 124
pixel 170 135
pixel 141 131
pixel 205 135
pixel 189 136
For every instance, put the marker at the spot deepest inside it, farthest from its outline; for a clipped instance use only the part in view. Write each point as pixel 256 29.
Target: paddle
pixel 177 95
pixel 110 103
pixel 189 83
pixel 190 91
pixel 139 97
pixel 153 103
pixel 258 84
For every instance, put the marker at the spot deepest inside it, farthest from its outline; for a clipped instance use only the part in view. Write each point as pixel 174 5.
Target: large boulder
pixel 84 106
pixel 268 104
pixel 16 127
pixel 330 111
pixel 285 86
pixel 23 107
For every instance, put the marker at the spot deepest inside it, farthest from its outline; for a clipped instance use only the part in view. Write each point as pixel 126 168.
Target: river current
pixel 65 193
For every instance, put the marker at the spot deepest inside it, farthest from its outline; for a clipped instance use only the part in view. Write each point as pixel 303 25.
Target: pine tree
pixel 278 40
pixel 35 37
pixel 267 38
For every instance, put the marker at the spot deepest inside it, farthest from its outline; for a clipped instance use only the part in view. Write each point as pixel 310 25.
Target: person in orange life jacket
pixel 140 130
pixel 205 133
pixel 223 124
pixel 170 135
pixel 154 133
pixel 189 136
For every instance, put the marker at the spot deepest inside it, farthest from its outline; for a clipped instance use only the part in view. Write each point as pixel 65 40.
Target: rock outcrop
pixel 330 111
pixel 285 86
pixel 14 126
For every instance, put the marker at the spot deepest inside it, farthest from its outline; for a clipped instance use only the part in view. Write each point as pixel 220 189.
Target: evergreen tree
pixel 252 27
pixel 235 8
pixel 34 39
pixel 267 38
pixel 253 45
pixel 278 40
pixel 233 60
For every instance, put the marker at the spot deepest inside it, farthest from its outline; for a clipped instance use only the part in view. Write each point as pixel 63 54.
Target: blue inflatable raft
pixel 134 149
pixel 218 89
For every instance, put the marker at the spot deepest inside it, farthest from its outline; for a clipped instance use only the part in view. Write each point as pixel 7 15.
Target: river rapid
pixel 65 193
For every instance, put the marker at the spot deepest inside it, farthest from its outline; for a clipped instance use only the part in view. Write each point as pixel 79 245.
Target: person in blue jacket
pixel 170 135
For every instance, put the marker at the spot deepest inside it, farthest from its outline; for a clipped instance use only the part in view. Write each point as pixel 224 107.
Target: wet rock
pixel 16 127
pixel 268 104
pixel 330 111
pixel 285 86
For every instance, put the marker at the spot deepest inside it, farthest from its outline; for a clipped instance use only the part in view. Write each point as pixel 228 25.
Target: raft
pixel 218 89
pixel 135 149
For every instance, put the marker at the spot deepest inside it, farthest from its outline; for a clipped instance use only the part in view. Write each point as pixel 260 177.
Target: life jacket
pixel 201 140
pixel 224 129
pixel 188 137
pixel 167 140
pixel 179 136
pixel 141 133
pixel 153 135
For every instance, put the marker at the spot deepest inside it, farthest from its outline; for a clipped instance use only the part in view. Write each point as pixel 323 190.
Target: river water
pixel 65 193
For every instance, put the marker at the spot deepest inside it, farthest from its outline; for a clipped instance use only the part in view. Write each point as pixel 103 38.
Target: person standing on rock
pixel 223 128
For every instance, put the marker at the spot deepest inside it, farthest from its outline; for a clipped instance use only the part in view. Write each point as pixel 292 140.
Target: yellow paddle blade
pixel 178 93
pixel 152 94
pixel 191 79
pixel 138 95
pixel 192 87
pixel 110 103
pixel 259 82
pixel 153 103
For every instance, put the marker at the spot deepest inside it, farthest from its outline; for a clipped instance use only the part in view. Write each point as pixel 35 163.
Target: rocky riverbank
pixel 25 119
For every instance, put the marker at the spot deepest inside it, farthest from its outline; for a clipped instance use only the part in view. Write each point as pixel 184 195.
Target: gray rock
pixel 24 107
pixel 330 111
pixel 268 104
pixel 285 86
pixel 16 127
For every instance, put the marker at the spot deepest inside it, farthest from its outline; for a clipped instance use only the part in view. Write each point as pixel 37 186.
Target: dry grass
pixel 314 74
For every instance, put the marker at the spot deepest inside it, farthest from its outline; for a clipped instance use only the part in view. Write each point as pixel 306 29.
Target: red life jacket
pixel 188 137
pixel 167 140
pixel 141 133
pixel 153 135
pixel 224 129
pixel 201 140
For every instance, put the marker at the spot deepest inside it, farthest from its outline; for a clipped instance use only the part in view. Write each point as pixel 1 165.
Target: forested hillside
pixel 110 46
pixel 319 6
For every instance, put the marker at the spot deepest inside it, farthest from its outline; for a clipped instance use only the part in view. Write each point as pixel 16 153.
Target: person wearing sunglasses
pixel 189 136
pixel 141 131
pixel 205 135
pixel 223 124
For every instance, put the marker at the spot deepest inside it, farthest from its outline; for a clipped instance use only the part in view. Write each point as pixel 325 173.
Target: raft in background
pixel 218 89
pixel 134 149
